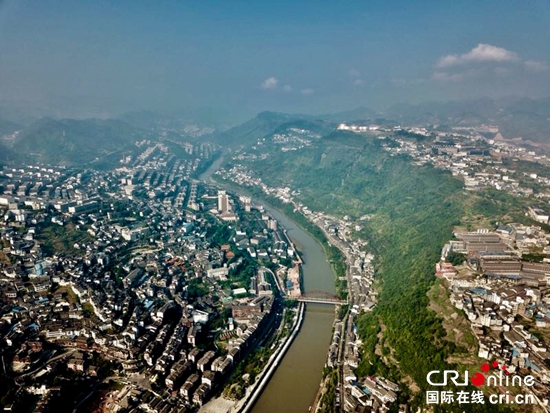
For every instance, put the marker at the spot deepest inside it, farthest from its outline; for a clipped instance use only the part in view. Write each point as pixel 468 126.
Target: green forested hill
pixel 7 127
pixel 249 132
pixel 267 123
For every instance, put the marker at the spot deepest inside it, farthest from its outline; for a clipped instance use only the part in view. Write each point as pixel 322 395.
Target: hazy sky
pixel 248 56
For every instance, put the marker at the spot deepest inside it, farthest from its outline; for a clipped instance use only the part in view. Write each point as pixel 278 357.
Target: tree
pixel 455 258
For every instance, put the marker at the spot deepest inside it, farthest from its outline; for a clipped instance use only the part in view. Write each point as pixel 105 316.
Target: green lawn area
pixel 61 239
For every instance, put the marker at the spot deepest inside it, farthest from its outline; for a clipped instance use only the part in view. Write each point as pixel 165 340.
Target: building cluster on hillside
pixel 475 154
pixel 475 158
pixel 505 295
pixel 292 140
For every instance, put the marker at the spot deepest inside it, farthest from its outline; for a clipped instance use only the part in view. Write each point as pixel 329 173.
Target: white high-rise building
pixel 223 202
pixel 247 203
pixel 272 224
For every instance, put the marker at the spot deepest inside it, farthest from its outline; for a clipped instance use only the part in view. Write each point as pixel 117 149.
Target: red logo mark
pixel 478 379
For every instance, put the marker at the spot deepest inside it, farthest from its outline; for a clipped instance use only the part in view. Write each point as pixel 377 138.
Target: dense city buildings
pixel 109 275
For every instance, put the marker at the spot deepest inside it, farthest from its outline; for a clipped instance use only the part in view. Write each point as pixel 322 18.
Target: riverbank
pixel 223 405
pixel 274 362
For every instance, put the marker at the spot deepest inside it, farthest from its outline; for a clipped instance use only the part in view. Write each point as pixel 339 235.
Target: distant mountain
pixel 526 118
pixel 7 127
pixel 248 133
pixel 189 124
pixel 266 123
pixel 436 112
pixel 354 115
pixel 146 119
pixel 73 142
pixel 13 114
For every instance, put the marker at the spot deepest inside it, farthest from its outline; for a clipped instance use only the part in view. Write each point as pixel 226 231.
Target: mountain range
pixel 514 117
pixel 80 141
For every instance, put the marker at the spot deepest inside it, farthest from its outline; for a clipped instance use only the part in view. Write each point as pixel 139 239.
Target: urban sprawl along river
pixel 294 385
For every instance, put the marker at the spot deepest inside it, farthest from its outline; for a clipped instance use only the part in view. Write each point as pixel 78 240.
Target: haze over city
pixel 102 58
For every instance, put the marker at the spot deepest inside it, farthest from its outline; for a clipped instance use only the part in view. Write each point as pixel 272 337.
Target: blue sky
pixel 245 57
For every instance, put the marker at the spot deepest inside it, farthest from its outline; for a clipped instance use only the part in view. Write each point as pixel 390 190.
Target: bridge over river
pixel 320 297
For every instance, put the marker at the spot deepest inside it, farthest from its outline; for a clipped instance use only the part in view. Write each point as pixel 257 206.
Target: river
pixel 294 385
